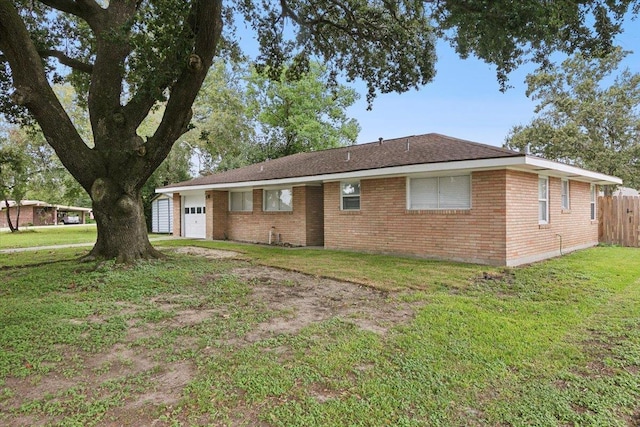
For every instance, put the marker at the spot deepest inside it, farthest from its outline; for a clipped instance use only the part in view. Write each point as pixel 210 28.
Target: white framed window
pixel 592 198
pixel 543 200
pixel 350 196
pixel 564 194
pixel 278 200
pixel 241 201
pixel 442 192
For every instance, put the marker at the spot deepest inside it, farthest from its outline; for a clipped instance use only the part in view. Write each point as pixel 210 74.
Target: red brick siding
pixel 216 203
pixel 29 215
pixel 177 215
pixel 315 216
pixel 383 223
pixel 301 227
pixel 527 241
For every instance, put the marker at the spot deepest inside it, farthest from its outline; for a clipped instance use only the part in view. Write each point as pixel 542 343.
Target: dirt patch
pixel 156 383
pixel 206 253
pixel 305 299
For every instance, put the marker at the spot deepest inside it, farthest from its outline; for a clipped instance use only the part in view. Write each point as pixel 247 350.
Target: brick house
pixel 36 212
pixel 430 196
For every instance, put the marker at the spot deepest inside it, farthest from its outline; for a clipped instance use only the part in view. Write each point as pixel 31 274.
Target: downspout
pixel 560 237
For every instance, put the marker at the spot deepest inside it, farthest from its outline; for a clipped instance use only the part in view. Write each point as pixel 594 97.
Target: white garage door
pixel 194 216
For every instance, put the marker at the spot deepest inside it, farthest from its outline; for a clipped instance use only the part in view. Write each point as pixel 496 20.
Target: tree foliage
pixel 305 113
pixel 588 115
pixel 224 127
pixel 14 174
pixel 124 57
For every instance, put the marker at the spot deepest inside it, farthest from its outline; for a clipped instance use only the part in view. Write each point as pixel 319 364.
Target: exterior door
pixel 194 216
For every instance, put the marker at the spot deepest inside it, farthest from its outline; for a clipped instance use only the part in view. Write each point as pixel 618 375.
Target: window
pixel 564 191
pixel 543 200
pixel 186 211
pixel 350 196
pixel 199 209
pixel 193 210
pixel 241 201
pixel 592 191
pixel 444 192
pixel 278 200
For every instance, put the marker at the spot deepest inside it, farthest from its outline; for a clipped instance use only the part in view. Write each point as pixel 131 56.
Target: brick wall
pixel 383 224
pixel 177 215
pixel 216 203
pixel 29 215
pixel 528 241
pixel 315 216
pixel 26 216
pixel 300 227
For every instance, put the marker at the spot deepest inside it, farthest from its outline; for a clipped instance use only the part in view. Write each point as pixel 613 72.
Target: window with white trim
pixel 241 201
pixel 350 196
pixel 592 195
pixel 442 192
pixel 543 200
pixel 564 194
pixel 278 200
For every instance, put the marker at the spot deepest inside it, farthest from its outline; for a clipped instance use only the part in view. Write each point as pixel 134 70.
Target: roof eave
pixel 523 163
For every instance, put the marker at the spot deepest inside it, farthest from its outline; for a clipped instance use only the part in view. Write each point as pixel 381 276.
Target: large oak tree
pixel 125 56
pixel 588 114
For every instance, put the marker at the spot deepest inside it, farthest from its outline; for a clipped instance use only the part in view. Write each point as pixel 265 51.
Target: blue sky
pixel 463 101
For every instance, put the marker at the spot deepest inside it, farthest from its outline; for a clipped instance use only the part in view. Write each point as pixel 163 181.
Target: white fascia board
pixel 362 174
pixel 525 163
pixel 573 171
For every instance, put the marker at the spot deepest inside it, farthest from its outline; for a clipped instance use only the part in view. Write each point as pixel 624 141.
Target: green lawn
pixel 199 341
pixel 48 236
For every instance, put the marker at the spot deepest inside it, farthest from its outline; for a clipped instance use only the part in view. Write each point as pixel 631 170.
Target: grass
pixel 554 343
pixel 48 236
pixel 51 236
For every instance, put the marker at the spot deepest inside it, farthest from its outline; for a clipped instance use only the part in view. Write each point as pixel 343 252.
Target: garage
pixel 194 216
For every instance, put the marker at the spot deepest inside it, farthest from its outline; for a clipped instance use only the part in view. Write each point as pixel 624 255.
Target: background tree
pixel 126 56
pixel 48 180
pixel 14 175
pixel 587 115
pixel 301 113
pixel 224 127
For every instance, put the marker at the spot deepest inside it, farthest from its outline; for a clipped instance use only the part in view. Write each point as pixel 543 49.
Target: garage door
pixel 194 216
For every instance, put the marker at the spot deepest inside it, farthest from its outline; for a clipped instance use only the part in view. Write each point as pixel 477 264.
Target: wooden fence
pixel 619 220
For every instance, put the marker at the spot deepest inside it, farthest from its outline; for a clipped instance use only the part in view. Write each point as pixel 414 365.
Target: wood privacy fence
pixel 619 220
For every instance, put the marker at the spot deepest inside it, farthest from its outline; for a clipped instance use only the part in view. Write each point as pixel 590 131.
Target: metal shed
pixel 162 214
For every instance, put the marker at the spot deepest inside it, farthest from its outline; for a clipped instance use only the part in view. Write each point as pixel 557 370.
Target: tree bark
pixel 122 229
pixel 9 222
pixel 114 170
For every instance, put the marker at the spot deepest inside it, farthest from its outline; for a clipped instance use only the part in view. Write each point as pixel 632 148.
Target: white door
pixel 194 216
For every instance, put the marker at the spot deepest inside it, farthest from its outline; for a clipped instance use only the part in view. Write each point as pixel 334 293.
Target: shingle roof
pixel 411 150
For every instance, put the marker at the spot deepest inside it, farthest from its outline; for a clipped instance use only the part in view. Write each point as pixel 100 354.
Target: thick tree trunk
pixel 122 230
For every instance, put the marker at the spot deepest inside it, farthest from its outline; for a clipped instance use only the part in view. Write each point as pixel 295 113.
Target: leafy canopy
pixel 588 114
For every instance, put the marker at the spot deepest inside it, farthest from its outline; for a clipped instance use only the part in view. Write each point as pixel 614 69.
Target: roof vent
pixel 261 168
pixel 348 156
pixel 407 147
pixel 380 140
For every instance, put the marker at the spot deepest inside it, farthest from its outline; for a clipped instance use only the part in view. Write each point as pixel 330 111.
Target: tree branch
pixel 177 115
pixel 89 10
pixel 34 92
pixel 66 60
